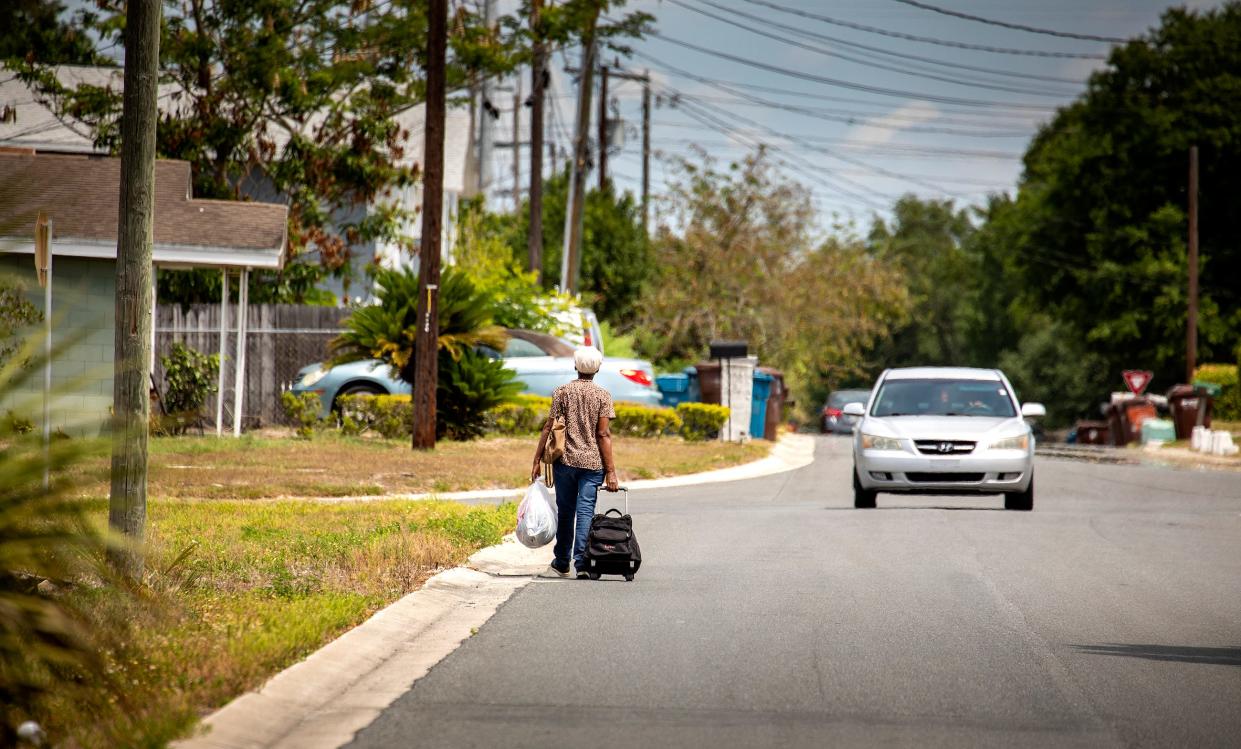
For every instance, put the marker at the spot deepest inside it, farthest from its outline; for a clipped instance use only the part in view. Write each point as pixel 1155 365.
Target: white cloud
pixel 879 130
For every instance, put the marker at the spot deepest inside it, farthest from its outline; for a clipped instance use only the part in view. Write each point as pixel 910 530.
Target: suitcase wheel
pixel 629 578
pixel 593 575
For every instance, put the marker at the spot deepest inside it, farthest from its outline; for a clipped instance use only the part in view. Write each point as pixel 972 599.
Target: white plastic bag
pixel 536 516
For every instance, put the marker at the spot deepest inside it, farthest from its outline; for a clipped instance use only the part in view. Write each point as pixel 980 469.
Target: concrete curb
pixel 342 687
pixel 791 452
pixel 323 701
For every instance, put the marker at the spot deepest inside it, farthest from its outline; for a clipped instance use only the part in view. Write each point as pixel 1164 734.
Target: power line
pixel 835 81
pixel 895 149
pixel 898 122
pixel 845 99
pixel 814 147
pixel 926 39
pixel 887 52
pixel 974 83
pixel 1010 25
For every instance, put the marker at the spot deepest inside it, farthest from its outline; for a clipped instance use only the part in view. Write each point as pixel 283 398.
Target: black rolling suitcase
pixel 611 546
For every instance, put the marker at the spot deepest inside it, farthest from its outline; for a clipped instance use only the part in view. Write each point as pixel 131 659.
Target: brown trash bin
pixel 709 381
pixel 1189 407
pixel 775 404
pixel 1093 433
pixel 1125 420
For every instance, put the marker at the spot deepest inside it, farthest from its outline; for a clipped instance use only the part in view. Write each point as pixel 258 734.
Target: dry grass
pixel 256 467
pixel 262 585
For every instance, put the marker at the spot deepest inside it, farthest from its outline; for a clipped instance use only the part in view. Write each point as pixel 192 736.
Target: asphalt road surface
pixel 771 613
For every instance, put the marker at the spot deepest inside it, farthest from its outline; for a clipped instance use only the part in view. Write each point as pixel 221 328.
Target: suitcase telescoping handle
pixel 624 489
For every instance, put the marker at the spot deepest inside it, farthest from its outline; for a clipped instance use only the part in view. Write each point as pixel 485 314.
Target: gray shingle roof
pixel 82 195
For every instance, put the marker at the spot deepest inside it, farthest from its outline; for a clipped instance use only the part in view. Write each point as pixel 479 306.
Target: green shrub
pixel 469 386
pixel 303 410
pixel 701 421
pixel 189 378
pixel 389 416
pixel 642 421
pixel 524 415
pixel 1228 404
pixel 16 424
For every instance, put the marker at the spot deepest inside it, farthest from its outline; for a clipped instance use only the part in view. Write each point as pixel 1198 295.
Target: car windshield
pixel 839 398
pixel 944 397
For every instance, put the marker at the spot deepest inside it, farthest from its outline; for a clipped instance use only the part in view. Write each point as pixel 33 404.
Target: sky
pixel 860 132
pixel 857 117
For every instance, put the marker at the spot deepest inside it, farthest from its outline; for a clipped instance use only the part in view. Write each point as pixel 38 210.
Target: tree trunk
pixel 426 347
pixel 134 305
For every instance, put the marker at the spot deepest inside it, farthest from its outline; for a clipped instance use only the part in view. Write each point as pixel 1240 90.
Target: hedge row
pixel 391 415
pixel 1228 404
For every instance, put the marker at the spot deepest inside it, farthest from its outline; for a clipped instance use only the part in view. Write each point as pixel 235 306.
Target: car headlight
pixel 1021 442
pixel 874 442
pixel 311 378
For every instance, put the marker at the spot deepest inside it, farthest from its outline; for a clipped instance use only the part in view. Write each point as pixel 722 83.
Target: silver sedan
pixel 944 430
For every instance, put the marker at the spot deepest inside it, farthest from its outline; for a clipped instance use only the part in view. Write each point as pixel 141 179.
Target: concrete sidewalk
pixel 792 451
pixel 321 702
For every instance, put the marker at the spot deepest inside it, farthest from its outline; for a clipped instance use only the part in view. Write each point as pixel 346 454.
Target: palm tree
pixel 469 382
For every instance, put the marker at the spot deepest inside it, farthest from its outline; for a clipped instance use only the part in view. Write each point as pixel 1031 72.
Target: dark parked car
pixel 834 420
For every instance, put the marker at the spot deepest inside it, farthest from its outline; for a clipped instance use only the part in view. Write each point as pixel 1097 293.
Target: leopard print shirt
pixel 582 403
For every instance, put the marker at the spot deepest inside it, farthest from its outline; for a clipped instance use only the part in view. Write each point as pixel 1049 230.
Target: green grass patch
pixel 236 591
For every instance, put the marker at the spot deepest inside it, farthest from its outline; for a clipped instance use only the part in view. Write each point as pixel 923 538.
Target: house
pixel 27 123
pixel 80 193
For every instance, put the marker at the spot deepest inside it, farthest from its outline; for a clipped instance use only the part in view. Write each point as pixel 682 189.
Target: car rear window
pixel 841 397
pixel 944 397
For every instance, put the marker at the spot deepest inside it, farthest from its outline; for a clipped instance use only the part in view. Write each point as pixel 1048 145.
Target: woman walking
pixel 586 464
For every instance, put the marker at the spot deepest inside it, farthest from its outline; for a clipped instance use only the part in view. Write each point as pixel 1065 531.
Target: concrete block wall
pixel 83 311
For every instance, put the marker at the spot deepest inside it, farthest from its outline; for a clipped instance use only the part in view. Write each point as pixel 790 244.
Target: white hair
pixel 587 359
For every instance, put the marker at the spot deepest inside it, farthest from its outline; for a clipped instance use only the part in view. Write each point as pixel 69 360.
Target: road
pixel 771 613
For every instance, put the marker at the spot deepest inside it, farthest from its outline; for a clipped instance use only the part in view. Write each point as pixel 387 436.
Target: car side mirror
pixel 1033 410
pixel 855 409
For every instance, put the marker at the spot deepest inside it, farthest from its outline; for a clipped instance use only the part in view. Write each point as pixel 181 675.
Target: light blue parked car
pixel 541 362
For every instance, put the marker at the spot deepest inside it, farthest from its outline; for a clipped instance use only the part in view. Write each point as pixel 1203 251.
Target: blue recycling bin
pixel 694 394
pixel 673 388
pixel 758 404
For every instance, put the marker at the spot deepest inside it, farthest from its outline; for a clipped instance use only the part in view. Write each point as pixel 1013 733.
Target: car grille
pixel 944 478
pixel 944 447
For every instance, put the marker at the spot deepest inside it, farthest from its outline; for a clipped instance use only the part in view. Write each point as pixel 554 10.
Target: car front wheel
pixel 863 499
pixel 1023 501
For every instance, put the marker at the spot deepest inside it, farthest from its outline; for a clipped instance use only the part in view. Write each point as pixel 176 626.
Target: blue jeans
pixel 576 491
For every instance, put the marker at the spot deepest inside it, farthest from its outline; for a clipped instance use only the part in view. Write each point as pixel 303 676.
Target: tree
pixel 469 383
pixel 740 257
pixel 926 240
pixel 617 259
pixel 297 100
pixel 1103 198
pixel 37 31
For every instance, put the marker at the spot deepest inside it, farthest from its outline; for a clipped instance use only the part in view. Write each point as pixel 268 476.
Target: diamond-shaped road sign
pixel 1137 379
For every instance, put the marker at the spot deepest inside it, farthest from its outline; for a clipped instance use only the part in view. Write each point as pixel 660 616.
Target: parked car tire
pixel 863 499
pixel 357 388
pixel 1023 501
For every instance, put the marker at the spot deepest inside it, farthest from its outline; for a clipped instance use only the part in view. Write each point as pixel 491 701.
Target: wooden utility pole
pixel 570 261
pixel 534 239
pixel 1191 329
pixel 603 128
pixel 426 346
pixel 132 368
pixel 646 152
